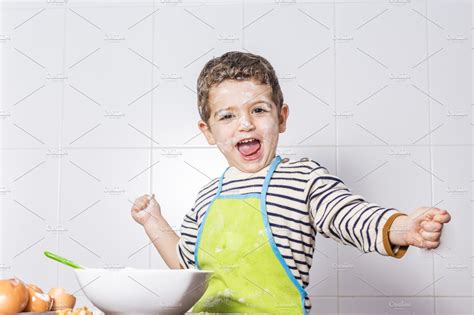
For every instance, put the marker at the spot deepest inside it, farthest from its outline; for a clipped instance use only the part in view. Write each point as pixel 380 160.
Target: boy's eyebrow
pixel 251 103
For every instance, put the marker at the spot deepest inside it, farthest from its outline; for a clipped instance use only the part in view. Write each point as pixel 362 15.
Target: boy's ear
pixel 282 117
pixel 205 129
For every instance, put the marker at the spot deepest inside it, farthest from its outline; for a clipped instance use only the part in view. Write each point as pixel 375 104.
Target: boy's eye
pixel 226 116
pixel 259 110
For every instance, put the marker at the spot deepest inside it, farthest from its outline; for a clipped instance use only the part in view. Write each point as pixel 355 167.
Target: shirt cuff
pixel 391 250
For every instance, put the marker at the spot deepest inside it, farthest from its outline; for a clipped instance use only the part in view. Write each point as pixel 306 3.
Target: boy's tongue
pixel 249 148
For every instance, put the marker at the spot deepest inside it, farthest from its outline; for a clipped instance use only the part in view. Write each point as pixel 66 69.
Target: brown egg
pixel 38 301
pixel 34 287
pixel 13 296
pixel 62 300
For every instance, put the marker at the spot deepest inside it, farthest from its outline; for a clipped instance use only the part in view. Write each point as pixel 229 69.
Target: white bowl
pixel 143 291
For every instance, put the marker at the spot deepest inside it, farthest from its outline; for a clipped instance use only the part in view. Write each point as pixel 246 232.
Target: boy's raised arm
pixel 147 212
pixel 164 239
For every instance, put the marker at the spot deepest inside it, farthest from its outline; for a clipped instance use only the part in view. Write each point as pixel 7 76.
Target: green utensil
pixel 63 260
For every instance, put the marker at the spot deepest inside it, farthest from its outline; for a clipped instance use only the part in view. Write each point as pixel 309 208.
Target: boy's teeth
pixel 248 147
pixel 247 140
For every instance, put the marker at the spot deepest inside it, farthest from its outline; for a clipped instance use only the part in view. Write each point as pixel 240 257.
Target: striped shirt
pixel 302 199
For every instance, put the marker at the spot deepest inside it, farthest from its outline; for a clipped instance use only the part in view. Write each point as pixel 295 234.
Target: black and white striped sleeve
pixel 187 240
pixel 339 214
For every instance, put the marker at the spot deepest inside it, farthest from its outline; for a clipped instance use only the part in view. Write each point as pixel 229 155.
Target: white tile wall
pixel 29 211
pixel 387 305
pixel 451 190
pixel 2 179
pixel 364 168
pixel 448 42
pixel 98 106
pixel 324 305
pixel 454 305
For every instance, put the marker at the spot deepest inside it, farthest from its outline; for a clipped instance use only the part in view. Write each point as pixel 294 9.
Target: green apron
pixel 250 275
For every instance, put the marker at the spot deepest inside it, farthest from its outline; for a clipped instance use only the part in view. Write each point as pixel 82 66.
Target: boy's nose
pixel 245 123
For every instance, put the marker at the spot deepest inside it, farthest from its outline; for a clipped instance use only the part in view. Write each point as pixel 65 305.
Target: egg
pixel 34 287
pixel 37 301
pixel 62 300
pixel 13 296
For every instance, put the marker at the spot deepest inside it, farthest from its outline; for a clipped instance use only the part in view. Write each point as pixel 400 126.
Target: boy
pixel 255 225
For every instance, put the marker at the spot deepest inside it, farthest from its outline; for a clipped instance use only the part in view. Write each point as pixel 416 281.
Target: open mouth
pixel 249 148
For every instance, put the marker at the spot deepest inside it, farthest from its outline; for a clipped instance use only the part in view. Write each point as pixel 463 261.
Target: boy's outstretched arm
pixel 422 228
pixel 348 218
pixel 147 212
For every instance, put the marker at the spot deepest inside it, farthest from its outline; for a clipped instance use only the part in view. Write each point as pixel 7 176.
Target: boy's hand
pixel 422 228
pixel 146 209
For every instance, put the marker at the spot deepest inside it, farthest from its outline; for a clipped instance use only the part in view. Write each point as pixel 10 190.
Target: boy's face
pixel 244 123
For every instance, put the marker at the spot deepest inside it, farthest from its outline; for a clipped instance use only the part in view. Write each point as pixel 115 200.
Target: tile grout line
pixel 151 156
pixel 61 132
pixel 207 147
pixel 242 44
pixel 336 148
pixel 428 87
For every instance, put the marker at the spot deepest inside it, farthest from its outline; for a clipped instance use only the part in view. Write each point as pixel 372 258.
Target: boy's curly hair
pixel 235 65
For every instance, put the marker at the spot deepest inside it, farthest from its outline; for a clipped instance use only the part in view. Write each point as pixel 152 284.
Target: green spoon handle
pixel 62 260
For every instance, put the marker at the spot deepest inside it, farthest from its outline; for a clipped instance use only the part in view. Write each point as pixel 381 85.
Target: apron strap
pixel 270 171
pixel 266 182
pixel 219 186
